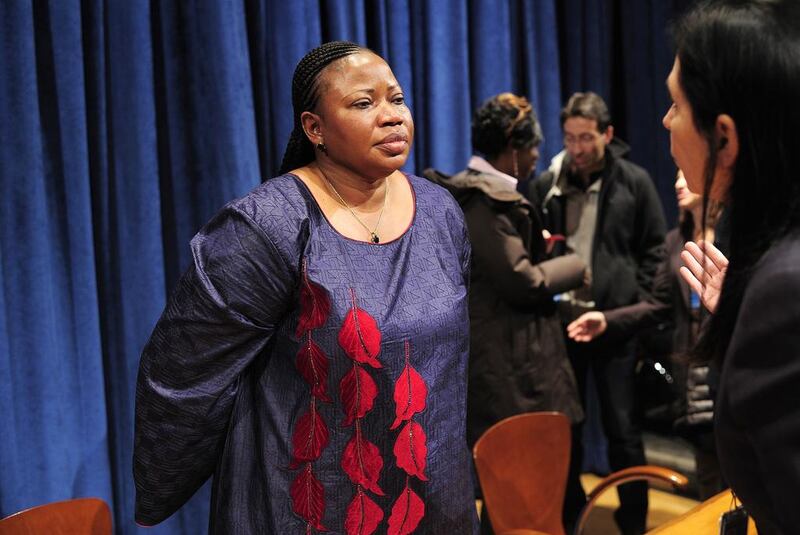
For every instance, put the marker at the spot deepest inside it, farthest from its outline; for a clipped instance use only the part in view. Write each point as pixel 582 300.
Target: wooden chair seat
pixel 81 516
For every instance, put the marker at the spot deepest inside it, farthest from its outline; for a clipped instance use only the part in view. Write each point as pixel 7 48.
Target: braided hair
pixel 504 120
pixel 305 94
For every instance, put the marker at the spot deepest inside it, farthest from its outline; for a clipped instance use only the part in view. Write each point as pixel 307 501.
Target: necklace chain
pixel 373 236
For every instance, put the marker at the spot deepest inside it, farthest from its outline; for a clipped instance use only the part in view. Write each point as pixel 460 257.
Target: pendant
pixel 374 237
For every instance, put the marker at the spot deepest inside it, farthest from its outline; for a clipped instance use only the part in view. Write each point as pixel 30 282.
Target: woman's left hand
pixel 704 270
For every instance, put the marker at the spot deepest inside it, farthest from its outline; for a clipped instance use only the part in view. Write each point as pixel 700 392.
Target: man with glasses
pixel 606 210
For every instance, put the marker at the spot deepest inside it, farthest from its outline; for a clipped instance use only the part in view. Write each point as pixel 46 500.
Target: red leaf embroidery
pixel 362 462
pixel 407 511
pixel 411 450
pixel 359 336
pixel 309 439
pixel 410 392
pixel 308 498
pixel 314 305
pixel 358 391
pixel 362 516
pixel 313 366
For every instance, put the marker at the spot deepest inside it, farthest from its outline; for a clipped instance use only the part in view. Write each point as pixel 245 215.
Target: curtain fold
pixel 124 125
pixel 54 412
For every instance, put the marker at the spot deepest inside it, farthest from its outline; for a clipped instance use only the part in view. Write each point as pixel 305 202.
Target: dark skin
pixel 526 160
pixel 363 120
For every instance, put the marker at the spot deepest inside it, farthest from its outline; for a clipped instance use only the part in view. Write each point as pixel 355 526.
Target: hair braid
pixel 305 94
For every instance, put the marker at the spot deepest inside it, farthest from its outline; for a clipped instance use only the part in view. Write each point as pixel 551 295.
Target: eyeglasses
pixel 583 139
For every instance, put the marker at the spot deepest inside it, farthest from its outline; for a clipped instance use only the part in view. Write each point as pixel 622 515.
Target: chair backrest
pixel 522 464
pixel 81 516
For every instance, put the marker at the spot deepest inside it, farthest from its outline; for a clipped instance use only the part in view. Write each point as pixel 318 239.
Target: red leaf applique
pixel 362 516
pixel 359 336
pixel 309 439
pixel 410 392
pixel 407 511
pixel 411 450
pixel 313 366
pixel 362 462
pixel 314 305
pixel 358 391
pixel 308 498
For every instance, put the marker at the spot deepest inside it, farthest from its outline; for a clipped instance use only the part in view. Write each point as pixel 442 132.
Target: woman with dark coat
pixel 518 361
pixel 733 132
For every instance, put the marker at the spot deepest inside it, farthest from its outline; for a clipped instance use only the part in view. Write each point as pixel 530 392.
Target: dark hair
pixel 687 224
pixel 502 121
pixel 710 217
pixel 743 59
pixel 305 94
pixel 589 106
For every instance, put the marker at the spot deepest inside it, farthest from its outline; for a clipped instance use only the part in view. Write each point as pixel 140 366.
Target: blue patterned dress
pixel 219 392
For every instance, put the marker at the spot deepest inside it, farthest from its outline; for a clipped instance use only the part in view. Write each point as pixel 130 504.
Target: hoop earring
pixel 515 164
pixel 322 148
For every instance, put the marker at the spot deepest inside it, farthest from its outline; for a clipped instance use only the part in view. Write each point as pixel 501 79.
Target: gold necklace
pixel 373 236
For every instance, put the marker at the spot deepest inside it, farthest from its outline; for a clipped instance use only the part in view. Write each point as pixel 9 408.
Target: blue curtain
pixel 124 125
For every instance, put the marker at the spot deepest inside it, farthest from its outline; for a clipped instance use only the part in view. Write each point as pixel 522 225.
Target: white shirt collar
pixel 479 164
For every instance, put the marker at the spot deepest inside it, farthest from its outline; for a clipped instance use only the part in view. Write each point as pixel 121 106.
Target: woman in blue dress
pixel 313 358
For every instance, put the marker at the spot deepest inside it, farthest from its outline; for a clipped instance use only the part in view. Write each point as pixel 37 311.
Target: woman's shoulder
pixel 779 263
pixel 276 211
pixel 433 198
pixel 278 206
pixel 774 286
pixel 430 191
pixel 280 195
pixel 438 210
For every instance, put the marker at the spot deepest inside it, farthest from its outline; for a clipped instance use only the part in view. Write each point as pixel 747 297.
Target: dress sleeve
pixel 466 254
pixel 218 320
pixel 509 265
pixel 762 380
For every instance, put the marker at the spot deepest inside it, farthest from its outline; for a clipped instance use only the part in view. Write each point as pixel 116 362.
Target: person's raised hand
pixel 588 326
pixel 703 269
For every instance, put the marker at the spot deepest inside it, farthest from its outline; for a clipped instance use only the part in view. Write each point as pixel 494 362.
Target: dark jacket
pixel 757 420
pixel 518 359
pixel 629 233
pixel 670 303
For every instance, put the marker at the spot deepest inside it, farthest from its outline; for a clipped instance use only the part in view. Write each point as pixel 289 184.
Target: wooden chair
pixel 522 465
pixel 81 516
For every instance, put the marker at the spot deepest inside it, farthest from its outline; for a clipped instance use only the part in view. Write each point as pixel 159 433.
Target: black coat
pixel 518 360
pixel 628 241
pixel 670 304
pixel 757 420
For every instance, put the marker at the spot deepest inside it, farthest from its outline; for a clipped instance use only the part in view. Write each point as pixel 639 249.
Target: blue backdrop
pixel 124 125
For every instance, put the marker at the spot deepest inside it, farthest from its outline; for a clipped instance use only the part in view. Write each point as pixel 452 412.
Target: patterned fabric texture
pixel 220 391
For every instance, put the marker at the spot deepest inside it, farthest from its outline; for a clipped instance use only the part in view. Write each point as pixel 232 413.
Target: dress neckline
pixel 307 192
